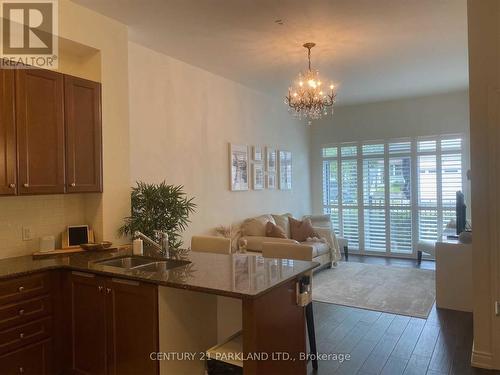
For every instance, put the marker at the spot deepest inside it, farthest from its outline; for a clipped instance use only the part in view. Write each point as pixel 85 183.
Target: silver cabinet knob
pixel 108 290
pixel 21 288
pixel 21 312
pixel 100 288
pixel 21 370
pixel 73 184
pixel 26 185
pixel 21 335
pixel 12 186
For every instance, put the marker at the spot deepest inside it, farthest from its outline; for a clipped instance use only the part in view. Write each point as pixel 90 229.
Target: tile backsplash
pixel 43 215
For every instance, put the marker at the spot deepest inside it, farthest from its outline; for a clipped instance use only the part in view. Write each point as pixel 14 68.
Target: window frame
pixel 414 207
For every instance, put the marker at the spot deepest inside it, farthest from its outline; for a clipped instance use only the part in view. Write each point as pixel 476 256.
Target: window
pixel 385 196
pixel 400 197
pixel 374 208
pixel 439 178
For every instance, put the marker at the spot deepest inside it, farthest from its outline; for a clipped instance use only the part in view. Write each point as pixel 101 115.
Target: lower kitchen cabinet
pixel 88 324
pixel 35 359
pixel 114 325
pixel 26 324
pixel 132 319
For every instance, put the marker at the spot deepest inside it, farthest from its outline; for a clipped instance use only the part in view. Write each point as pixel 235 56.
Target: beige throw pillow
pixel 283 223
pixel 301 230
pixel 256 226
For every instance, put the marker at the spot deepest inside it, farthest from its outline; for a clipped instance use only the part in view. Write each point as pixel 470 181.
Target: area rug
pixel 398 290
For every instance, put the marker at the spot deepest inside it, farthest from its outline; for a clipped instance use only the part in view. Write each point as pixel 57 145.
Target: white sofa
pixel 325 250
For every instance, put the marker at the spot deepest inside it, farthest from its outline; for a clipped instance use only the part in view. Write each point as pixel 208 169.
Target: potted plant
pixel 159 207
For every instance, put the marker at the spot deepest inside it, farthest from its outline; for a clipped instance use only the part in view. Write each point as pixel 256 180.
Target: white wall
pixel 181 120
pixel 421 116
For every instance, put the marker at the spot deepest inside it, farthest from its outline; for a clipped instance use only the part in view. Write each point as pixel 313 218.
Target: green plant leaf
pixel 159 207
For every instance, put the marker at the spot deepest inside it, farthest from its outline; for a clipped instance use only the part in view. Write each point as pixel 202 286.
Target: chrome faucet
pixel 162 248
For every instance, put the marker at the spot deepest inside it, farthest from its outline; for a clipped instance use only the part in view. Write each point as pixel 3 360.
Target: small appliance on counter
pixel 47 243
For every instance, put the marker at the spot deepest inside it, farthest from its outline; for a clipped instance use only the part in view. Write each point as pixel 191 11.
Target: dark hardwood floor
pixel 383 343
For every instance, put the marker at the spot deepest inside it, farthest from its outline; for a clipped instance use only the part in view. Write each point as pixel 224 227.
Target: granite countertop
pixel 234 275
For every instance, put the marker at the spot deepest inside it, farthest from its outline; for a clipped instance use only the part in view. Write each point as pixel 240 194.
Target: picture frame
pixel 257 153
pixel 285 169
pixel 258 176
pixel 271 162
pixel 238 165
pixel 271 180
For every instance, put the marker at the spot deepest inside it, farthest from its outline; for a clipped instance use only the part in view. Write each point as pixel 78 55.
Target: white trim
pixel 481 359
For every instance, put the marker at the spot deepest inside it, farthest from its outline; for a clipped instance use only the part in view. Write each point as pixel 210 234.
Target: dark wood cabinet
pixel 40 131
pixel 88 324
pixel 82 105
pixel 34 359
pixel 7 134
pixel 114 325
pixel 132 317
pixel 262 320
pixel 27 324
pixel 50 133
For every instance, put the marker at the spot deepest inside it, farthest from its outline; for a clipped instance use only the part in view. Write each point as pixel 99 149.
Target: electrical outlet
pixel 27 234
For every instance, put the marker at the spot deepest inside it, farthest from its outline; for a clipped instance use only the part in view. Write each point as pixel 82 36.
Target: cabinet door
pixel 88 328
pixel 7 134
pixel 132 318
pixel 40 131
pixel 33 359
pixel 83 135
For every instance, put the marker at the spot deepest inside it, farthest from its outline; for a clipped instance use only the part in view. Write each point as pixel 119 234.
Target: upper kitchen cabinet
pixel 40 131
pixel 83 135
pixel 7 134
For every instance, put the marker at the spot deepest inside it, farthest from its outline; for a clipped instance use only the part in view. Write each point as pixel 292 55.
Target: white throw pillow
pixel 256 226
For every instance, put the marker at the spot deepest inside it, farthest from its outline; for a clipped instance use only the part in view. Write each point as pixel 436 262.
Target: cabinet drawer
pixel 14 338
pixel 24 311
pixel 21 288
pixel 33 359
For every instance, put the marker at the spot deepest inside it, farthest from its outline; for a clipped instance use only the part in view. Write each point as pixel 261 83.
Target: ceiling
pixel 372 49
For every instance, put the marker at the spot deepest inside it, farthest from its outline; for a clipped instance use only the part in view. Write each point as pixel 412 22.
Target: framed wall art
pixel 270 160
pixel 285 170
pixel 271 180
pixel 257 153
pixel 258 176
pixel 238 155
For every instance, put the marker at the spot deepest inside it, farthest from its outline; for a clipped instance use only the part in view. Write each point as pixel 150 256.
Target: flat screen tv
pixel 460 212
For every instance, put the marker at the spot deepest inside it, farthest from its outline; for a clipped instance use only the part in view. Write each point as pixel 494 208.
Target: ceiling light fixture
pixel 307 98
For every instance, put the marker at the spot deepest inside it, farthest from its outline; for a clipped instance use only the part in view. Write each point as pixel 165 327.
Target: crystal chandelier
pixel 307 98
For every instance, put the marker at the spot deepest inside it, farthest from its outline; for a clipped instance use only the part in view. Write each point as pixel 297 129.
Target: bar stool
pixel 297 252
pixel 211 244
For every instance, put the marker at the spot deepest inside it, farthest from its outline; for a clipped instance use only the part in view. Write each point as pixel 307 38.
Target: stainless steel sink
pixel 162 265
pixel 141 263
pixel 126 262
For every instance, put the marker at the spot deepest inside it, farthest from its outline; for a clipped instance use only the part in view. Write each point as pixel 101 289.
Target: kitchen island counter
pixel 235 275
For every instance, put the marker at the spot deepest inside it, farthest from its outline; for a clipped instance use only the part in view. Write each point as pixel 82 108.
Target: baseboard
pixel 482 359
